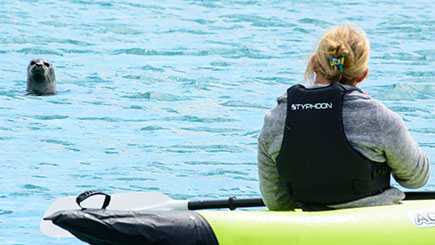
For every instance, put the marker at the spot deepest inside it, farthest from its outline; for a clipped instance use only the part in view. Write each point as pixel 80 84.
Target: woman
pixel 330 145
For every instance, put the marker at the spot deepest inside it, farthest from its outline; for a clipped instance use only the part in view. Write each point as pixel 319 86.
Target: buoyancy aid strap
pixel 378 183
pixel 305 190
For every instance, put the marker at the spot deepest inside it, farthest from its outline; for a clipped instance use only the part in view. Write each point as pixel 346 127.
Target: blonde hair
pixel 347 40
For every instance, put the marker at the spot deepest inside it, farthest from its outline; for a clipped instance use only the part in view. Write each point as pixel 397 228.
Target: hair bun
pixel 342 55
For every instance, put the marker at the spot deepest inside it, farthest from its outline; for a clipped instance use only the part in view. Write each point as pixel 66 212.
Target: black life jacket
pixel 316 161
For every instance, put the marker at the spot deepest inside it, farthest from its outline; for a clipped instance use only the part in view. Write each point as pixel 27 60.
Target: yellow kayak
pixel 411 222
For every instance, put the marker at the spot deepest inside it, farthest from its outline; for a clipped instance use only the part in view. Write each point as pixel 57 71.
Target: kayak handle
pixel 80 198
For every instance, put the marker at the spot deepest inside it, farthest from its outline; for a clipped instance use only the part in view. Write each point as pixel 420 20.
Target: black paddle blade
pixel 99 226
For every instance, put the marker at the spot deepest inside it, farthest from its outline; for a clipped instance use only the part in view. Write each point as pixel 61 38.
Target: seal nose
pixel 38 64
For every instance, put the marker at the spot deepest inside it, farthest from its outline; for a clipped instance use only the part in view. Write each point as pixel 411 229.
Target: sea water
pixel 170 96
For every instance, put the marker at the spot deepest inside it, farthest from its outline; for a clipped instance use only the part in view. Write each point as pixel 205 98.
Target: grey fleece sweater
pixel 371 128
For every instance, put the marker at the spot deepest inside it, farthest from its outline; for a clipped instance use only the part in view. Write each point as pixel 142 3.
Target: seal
pixel 40 78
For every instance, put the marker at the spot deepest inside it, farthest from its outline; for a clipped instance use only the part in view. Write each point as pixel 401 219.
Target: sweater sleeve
pixel 409 164
pixel 272 189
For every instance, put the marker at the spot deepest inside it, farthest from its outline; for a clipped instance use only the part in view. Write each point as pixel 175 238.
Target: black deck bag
pixel 100 226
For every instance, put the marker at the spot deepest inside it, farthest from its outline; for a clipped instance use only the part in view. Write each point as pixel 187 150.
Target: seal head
pixel 40 78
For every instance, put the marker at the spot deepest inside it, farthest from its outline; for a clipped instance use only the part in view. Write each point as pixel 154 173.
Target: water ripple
pixel 151 68
pixel 199 119
pixel 156 96
pixel 5 212
pixel 39 51
pixel 49 117
pixel 208 148
pixel 257 21
pixel 148 52
pixel 212 130
pixel 317 22
pixel 153 128
pixel 235 53
pixel 58 142
pixel 121 29
pixel 109 119
pixel 243 104
pixel 400 91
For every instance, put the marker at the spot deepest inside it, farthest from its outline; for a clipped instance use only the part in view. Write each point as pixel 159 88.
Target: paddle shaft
pixel 233 203
pixel 419 195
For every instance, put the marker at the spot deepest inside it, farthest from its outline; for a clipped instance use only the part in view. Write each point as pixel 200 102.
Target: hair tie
pixel 337 61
